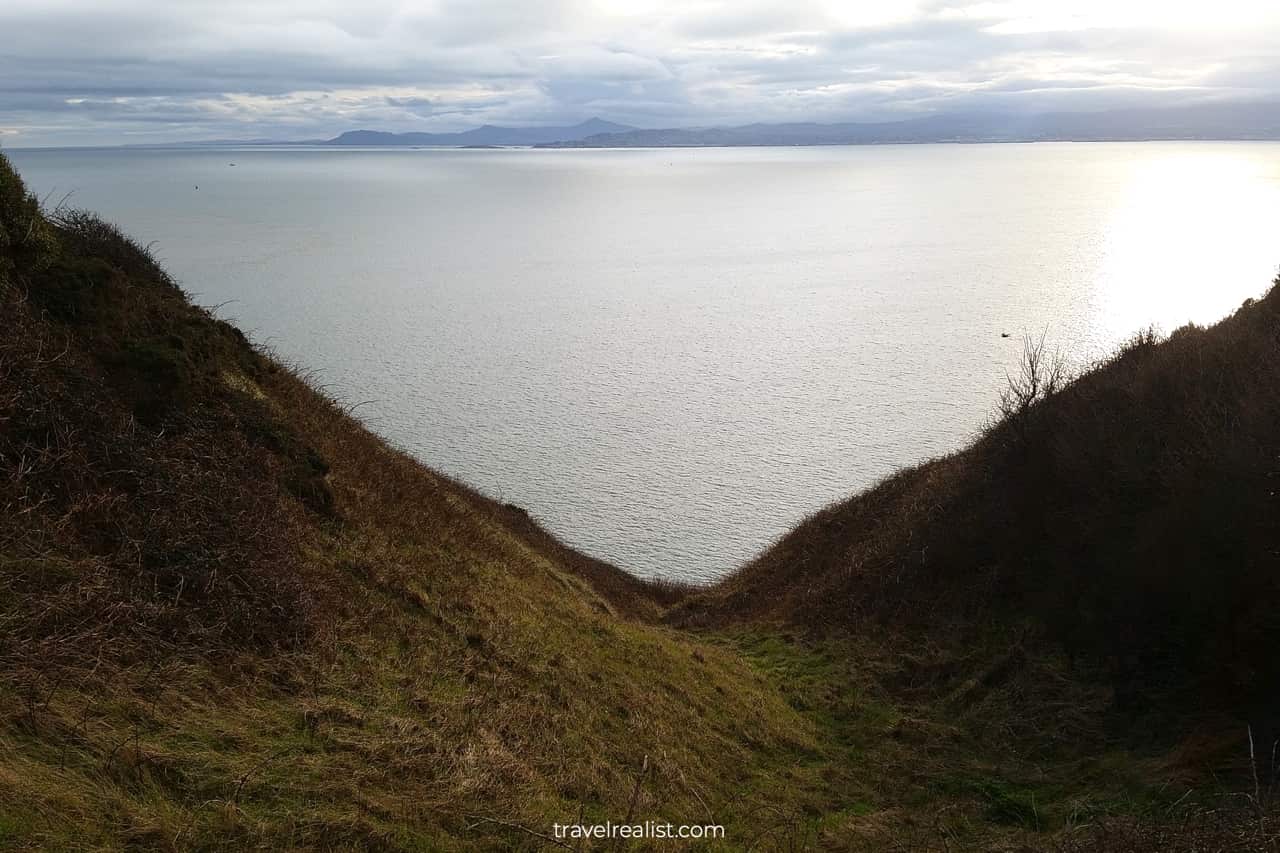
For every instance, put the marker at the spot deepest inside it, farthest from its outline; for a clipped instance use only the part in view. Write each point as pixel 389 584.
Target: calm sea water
pixel 670 357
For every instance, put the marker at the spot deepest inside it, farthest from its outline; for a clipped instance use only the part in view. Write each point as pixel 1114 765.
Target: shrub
pixel 89 236
pixel 27 241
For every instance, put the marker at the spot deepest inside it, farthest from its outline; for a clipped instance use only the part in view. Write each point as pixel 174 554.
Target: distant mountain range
pixel 1224 121
pixel 1202 121
pixel 486 135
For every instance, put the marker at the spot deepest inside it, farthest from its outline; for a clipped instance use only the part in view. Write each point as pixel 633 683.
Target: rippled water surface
pixel 671 356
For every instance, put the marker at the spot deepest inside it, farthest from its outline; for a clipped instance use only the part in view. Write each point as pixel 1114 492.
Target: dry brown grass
pixel 233 618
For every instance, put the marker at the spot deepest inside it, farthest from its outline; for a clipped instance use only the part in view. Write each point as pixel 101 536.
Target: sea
pixel 670 357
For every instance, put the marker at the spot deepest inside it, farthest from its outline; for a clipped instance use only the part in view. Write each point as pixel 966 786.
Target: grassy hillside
pixel 232 618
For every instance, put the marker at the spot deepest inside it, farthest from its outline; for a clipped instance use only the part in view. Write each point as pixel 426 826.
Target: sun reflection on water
pixel 1193 235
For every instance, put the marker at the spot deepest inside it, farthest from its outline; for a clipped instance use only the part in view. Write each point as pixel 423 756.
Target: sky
pixel 86 72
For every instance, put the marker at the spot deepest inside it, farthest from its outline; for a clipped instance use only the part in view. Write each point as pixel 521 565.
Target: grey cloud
pixel 315 67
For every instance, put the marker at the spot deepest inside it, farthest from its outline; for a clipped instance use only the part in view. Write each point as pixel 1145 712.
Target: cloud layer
pixel 94 72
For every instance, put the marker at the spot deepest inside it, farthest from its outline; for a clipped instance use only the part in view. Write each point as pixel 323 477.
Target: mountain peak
pixel 595 124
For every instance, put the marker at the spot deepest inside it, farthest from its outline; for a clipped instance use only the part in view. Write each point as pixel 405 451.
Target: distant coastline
pixel 1208 122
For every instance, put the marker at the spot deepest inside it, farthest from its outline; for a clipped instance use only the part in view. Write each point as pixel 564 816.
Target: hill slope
pixel 230 616
pixel 1131 515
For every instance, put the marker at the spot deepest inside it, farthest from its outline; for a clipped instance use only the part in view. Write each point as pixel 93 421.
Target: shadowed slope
pixel 1130 514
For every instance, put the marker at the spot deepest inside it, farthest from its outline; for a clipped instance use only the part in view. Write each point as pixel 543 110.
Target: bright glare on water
pixel 671 356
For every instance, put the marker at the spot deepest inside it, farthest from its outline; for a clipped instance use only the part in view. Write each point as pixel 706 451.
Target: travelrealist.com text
pixel 649 829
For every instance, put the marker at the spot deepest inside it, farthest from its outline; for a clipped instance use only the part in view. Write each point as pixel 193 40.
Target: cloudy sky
pixel 111 71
